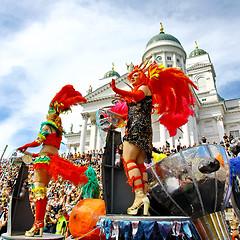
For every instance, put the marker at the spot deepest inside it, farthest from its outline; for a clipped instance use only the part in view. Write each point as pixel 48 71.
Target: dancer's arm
pixel 26 146
pixel 37 142
pixel 138 95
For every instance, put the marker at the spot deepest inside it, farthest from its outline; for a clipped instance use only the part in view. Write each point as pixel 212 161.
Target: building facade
pixel 213 116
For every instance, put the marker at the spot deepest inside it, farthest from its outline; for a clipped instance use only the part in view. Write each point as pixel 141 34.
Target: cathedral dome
pixel 162 46
pixel 197 52
pixel 162 36
pixel 111 73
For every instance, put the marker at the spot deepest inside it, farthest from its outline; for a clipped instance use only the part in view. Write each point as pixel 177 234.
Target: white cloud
pixel 75 42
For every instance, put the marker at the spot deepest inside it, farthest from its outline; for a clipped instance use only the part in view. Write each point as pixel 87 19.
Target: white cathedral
pixel 213 116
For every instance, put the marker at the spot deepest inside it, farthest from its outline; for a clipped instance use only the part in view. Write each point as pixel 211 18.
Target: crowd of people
pixel 62 195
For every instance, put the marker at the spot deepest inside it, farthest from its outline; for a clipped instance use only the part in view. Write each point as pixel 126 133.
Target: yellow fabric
pixel 41 138
pixel 158 156
pixel 39 192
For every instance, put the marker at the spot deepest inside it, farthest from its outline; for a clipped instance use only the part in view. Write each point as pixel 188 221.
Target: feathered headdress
pixel 142 69
pixel 64 99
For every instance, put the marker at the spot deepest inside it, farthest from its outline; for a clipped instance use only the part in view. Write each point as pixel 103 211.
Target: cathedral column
pixel 85 117
pixel 174 60
pixel 220 126
pixel 191 130
pixel 163 137
pixel 164 59
pixel 172 142
pixel 183 65
pixel 93 135
pixel 186 136
pixel 195 128
pixel 99 140
pixel 68 148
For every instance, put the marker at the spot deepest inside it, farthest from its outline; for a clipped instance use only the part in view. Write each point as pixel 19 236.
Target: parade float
pixel 188 191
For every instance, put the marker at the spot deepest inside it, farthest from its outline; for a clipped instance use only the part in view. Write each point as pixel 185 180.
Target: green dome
pixel 197 52
pixel 163 36
pixel 111 74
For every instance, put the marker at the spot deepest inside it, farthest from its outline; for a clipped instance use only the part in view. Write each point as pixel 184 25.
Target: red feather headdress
pixel 64 99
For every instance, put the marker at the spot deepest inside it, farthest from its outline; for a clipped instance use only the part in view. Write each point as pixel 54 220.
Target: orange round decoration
pixel 84 218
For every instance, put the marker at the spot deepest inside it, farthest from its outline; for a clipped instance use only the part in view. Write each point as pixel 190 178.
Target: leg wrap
pixel 142 170
pixel 133 178
pixel 39 191
pixel 40 197
pixel 40 209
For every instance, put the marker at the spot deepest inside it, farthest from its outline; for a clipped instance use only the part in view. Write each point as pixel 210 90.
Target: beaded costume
pixel 139 129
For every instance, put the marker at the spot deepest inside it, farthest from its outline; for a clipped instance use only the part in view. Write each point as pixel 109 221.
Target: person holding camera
pixel 50 223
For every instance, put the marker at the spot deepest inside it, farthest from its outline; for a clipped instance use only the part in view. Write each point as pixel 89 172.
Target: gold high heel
pixel 38 226
pixel 144 201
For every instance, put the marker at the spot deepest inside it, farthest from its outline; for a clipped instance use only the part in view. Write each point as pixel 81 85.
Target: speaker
pixel 118 195
pixel 20 216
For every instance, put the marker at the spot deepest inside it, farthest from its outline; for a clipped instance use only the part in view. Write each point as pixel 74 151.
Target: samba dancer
pixel 166 91
pixel 48 163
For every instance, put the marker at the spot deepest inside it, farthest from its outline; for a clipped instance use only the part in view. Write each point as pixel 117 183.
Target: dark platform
pixel 45 236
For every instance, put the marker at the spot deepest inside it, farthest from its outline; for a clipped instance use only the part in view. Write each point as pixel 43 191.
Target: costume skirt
pixel 56 166
pixel 139 126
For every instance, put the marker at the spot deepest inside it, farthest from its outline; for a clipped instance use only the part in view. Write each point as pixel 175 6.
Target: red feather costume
pixel 172 96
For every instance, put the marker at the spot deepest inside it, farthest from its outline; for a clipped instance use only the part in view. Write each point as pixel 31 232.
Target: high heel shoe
pixel 140 200
pixel 38 226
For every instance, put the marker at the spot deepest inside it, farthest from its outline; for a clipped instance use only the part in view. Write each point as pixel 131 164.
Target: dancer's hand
pixel 22 149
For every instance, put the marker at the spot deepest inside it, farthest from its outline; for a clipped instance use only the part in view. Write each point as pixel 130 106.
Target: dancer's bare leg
pixel 41 180
pixel 131 155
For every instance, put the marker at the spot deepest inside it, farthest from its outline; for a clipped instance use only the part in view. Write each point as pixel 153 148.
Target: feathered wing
pixel 66 98
pixel 120 108
pixel 172 96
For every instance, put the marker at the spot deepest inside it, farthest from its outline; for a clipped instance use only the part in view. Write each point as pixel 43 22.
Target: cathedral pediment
pixel 104 91
pixel 198 66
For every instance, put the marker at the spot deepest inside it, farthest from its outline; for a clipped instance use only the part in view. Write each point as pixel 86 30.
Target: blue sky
pixel 47 44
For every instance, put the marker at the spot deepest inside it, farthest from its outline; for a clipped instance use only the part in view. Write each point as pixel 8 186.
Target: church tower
pixel 201 71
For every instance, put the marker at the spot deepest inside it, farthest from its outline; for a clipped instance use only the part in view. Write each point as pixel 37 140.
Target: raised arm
pixel 41 137
pixel 137 96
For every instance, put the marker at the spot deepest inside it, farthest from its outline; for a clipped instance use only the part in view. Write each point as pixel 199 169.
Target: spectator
pixel 167 145
pixel 178 145
pixel 50 221
pixel 204 140
pixel 230 137
pixel 62 223
pixel 225 137
pixel 221 143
